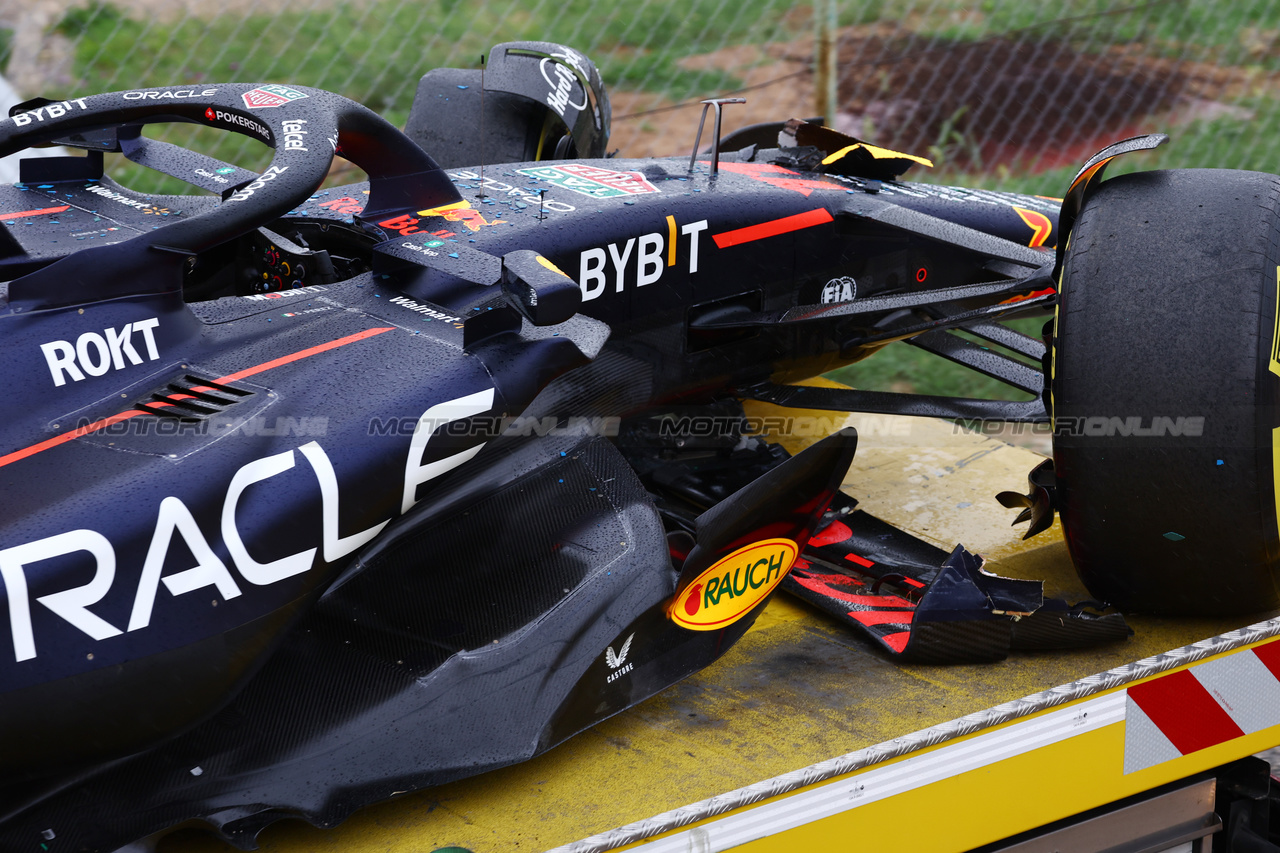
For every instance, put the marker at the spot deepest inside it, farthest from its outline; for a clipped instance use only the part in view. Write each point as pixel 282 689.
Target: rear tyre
pixel 1163 392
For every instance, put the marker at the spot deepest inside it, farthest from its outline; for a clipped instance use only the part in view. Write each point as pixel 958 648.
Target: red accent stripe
pixel 306 353
pixel 42 210
pixel 913 582
pixel 861 561
pixel 837 580
pixel 1269 654
pixel 772 228
pixel 877 601
pixel 879 617
pixel 756 169
pixel 1032 295
pixel 1181 708
pixel 897 641
pixel 18 455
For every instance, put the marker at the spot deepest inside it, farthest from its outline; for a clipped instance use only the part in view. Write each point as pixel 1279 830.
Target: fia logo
pixel 617 662
pixel 842 289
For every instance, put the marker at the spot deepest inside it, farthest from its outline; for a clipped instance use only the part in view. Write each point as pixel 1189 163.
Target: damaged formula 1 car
pixel 313 496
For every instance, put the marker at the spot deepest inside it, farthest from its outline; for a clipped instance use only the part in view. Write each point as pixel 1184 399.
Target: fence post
pixel 824 60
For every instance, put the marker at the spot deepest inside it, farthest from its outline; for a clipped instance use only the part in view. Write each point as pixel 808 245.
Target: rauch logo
pixel 727 591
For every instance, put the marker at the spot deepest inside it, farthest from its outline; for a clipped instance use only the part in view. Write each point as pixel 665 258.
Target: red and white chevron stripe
pixel 1196 708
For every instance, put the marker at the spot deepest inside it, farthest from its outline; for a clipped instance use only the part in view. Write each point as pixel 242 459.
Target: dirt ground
pixel 1030 104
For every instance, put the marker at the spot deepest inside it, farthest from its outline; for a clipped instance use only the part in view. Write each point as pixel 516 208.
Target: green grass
pixel 901 367
pixel 374 53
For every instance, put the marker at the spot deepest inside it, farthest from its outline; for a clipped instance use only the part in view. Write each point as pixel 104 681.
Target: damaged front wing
pixel 922 605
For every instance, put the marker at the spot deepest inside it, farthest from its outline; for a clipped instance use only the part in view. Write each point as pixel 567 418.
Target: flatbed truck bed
pixel 805 737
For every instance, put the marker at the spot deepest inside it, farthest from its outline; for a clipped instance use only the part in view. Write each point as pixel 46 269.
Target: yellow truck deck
pixel 804 737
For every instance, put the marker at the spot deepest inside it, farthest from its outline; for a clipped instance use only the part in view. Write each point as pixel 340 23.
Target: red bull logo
pixel 461 211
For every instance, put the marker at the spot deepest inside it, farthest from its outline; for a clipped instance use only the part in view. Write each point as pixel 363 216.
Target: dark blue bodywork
pixel 333 479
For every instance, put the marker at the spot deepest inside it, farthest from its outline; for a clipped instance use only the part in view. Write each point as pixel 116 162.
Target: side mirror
pixel 538 288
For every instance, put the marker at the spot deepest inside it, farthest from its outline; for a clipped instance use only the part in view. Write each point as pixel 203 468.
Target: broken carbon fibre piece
pixel 922 605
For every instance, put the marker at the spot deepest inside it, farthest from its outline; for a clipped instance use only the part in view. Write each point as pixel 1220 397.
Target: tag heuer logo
pixel 271 95
pixel 593 181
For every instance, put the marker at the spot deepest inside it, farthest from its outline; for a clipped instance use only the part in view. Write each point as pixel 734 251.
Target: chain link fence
pixel 1008 94
pixel 1002 94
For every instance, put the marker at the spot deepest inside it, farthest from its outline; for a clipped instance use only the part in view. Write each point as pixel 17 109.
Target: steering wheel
pixel 401 175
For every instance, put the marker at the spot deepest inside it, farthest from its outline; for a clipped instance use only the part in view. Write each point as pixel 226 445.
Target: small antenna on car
pixel 482 137
pixel 715 142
